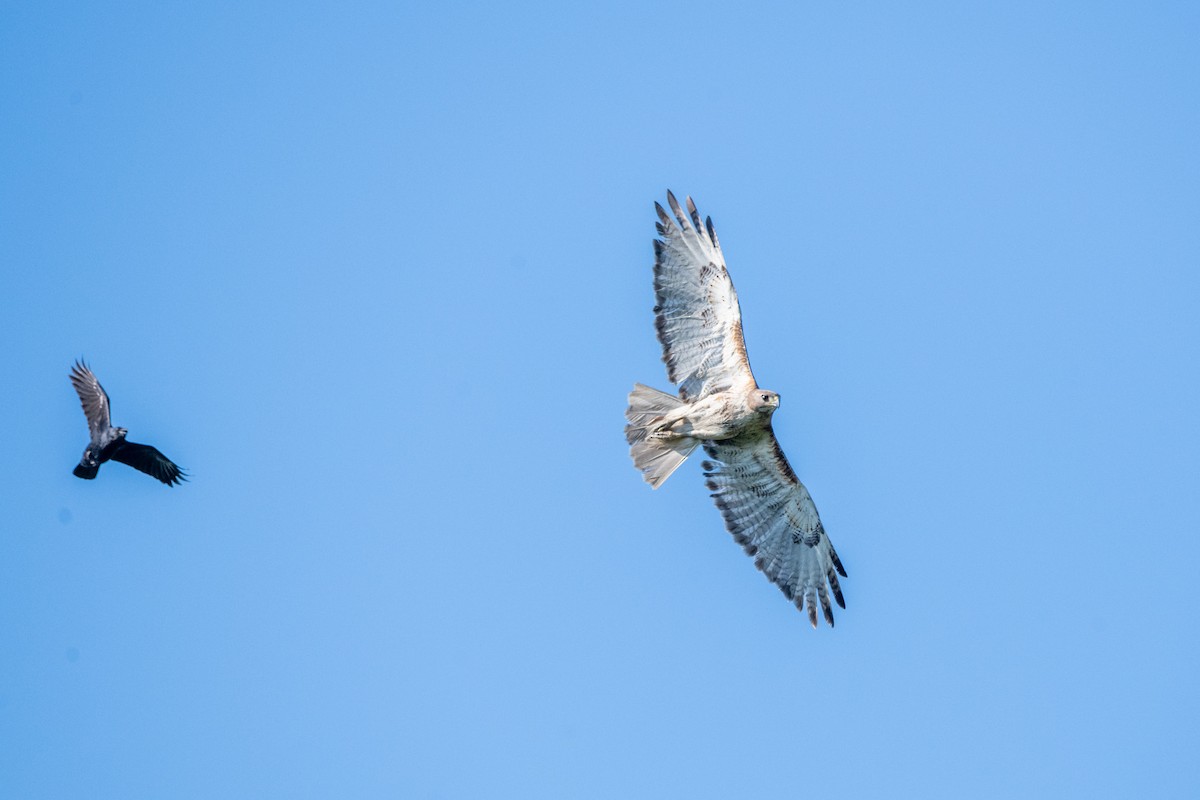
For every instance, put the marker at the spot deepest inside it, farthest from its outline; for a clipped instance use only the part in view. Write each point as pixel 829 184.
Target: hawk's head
pixel 763 401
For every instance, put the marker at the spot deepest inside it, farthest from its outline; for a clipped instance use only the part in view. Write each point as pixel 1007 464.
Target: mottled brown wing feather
pixel 773 518
pixel 93 398
pixel 696 311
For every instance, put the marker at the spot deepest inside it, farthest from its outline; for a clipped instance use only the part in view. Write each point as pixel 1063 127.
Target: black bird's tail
pixel 86 472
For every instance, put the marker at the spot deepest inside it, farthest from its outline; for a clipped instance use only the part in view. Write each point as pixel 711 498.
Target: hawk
pixel 721 408
pixel 108 442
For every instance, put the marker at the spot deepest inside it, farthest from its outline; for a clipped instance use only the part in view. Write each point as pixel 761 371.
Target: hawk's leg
pixel 664 430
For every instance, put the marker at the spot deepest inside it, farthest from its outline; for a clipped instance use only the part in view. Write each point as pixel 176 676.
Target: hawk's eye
pixel 766 398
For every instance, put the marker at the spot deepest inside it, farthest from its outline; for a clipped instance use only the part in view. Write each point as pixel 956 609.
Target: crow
pixel 109 442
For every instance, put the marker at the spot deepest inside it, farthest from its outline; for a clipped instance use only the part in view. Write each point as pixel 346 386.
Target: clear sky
pixel 379 277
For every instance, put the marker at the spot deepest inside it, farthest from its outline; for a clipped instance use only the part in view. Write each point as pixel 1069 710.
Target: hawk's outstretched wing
pixel 696 310
pixel 773 518
pixel 149 460
pixel 93 398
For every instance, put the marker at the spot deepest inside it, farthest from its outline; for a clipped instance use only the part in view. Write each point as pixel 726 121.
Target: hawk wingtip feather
pixel 696 223
pixel 671 201
pixel 665 224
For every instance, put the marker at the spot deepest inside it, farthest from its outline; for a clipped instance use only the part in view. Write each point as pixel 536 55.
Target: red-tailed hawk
pixel 721 407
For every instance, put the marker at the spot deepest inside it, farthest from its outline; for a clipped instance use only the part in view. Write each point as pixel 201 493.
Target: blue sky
pixel 379 277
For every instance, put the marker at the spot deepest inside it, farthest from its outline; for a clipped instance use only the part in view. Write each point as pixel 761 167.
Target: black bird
pixel 109 442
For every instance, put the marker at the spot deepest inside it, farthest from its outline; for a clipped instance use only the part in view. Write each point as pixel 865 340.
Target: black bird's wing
pixel 147 459
pixel 94 399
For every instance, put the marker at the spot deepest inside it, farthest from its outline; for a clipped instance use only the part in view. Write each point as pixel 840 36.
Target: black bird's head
pixel 121 432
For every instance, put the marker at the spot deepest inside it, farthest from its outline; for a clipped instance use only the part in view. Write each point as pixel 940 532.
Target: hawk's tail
pixel 656 458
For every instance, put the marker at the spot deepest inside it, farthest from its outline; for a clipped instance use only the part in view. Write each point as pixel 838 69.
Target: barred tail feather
pixel 656 458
